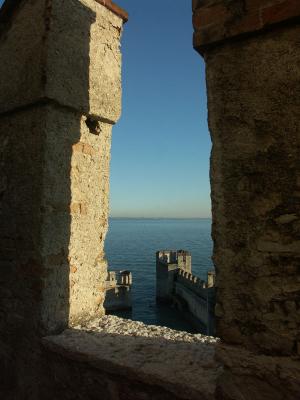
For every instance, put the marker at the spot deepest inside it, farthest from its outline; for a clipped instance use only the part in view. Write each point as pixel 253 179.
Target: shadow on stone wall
pixel 36 138
pixel 149 363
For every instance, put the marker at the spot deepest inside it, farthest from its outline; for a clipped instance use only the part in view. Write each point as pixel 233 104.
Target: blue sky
pixel 161 144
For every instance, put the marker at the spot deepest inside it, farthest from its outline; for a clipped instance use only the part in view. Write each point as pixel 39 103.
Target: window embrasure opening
pixel 159 244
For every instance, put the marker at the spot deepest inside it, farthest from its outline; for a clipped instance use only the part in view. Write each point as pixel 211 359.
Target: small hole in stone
pixel 93 125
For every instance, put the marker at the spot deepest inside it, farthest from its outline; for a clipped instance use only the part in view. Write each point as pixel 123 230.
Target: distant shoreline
pixel 160 218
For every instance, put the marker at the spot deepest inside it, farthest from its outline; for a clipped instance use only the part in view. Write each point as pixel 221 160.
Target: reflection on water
pixel 132 243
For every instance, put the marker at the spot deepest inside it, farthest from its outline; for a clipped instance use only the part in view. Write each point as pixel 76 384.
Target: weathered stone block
pixel 22 47
pixel 75 217
pixel 71 50
pixel 215 21
pixel 50 58
pixel 111 352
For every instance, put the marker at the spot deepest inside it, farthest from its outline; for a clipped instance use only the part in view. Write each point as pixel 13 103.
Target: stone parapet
pixel 115 358
pixel 195 283
pixel 216 21
pixel 248 375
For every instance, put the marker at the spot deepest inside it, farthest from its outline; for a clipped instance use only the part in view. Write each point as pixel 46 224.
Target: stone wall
pixel 198 310
pixel 113 358
pixel 60 95
pixel 118 298
pixel 167 264
pixel 252 56
pixel 199 300
pixel 118 291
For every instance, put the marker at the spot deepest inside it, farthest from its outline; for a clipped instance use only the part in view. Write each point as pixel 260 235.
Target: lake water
pixel 131 244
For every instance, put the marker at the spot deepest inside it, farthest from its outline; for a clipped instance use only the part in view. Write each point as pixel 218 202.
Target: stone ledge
pixel 257 368
pixel 216 21
pixel 180 363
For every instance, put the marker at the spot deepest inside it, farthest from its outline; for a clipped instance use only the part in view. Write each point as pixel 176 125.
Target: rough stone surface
pixel 23 56
pixel 21 160
pixel 248 375
pixel 60 95
pixel 71 55
pixel 114 8
pixel 253 102
pixel 72 168
pixel 216 21
pixel 78 212
pixel 94 47
pixel 180 364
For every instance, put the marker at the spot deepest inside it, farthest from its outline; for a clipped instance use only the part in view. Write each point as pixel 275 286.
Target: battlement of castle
pixel 118 278
pixel 195 280
pixel 178 263
pixel 118 291
pixel 172 256
pixel 183 275
pixel 200 288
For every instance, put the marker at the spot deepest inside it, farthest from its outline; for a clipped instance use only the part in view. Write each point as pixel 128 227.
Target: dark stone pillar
pixel 252 55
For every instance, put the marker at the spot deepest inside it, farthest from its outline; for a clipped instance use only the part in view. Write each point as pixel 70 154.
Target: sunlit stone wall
pixel 60 94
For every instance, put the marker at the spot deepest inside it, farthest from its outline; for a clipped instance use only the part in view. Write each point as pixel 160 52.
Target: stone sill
pixel 178 362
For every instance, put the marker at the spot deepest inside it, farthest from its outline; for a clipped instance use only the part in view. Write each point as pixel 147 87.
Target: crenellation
pixel 176 284
pixel 118 291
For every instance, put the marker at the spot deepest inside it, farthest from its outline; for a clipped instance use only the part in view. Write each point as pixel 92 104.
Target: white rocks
pixel 115 325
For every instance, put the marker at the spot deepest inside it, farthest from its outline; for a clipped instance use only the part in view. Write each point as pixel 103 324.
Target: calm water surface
pixel 132 243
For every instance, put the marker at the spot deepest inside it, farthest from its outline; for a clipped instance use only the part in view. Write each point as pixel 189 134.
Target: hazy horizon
pixel 140 217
